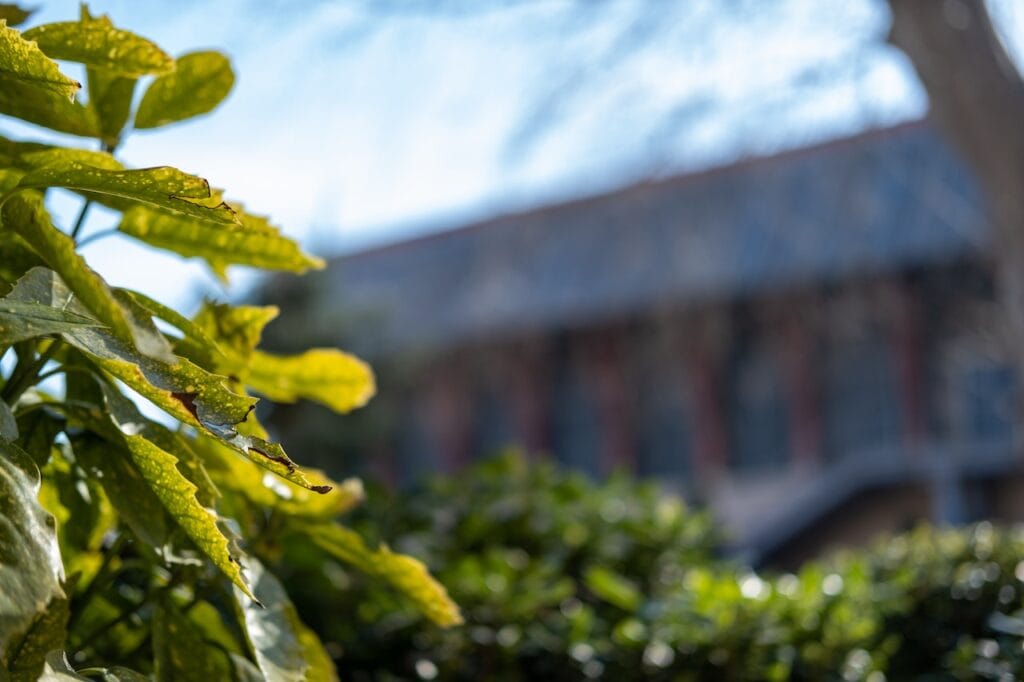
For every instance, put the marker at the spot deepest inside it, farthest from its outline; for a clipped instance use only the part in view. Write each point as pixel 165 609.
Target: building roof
pixel 879 201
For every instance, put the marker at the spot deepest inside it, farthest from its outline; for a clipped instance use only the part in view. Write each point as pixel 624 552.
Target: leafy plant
pixel 564 578
pixel 129 547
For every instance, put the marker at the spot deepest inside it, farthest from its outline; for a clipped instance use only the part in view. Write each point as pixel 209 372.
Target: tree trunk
pixel 977 99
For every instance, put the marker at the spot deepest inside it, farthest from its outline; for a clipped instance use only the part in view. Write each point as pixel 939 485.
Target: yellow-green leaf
pixel 31 571
pixel 328 376
pixel 199 82
pixel 110 95
pixel 251 246
pixel 160 470
pixel 97 42
pixel 233 475
pixel 22 61
pixel 31 159
pixel 234 331
pixel 46 108
pixel 164 187
pixel 407 575
pixel 26 215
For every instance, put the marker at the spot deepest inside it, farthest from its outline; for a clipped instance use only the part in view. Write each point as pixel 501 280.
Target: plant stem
pixel 98 235
pixel 101 576
pixel 22 380
pixel 81 219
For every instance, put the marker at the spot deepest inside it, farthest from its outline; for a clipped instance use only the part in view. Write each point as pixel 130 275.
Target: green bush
pixel 560 577
pixel 129 546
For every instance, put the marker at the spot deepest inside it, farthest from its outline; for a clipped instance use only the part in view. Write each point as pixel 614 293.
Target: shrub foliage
pixel 561 578
pixel 131 546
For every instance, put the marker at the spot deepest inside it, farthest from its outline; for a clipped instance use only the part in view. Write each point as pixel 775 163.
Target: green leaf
pixel 225 336
pixel 328 376
pixel 284 648
pixel 25 661
pixel 8 424
pixel 16 258
pixel 185 391
pixel 406 574
pixel 20 321
pixel 109 463
pixel 38 428
pixel 46 108
pixel 231 473
pixel 21 61
pixel 259 248
pixel 26 215
pixel 110 100
pixel 110 97
pixel 199 82
pixel 612 588
pixel 30 159
pixel 164 187
pixel 96 42
pixel 196 345
pixel 14 15
pixel 30 565
pixel 179 652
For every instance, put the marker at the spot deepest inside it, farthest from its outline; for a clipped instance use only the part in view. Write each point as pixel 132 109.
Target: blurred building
pixel 807 342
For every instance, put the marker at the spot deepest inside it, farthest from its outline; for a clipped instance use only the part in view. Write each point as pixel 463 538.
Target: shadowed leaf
pixel 284 648
pixel 26 215
pixel 179 652
pixel 30 565
pixel 46 108
pixel 20 321
pixel 13 14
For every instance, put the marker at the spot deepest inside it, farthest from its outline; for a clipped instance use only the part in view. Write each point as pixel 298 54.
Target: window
pixel 758 411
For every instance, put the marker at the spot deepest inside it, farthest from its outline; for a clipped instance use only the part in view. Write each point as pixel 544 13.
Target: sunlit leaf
pixel 164 187
pixel 96 42
pixel 407 575
pixel 21 61
pixel 13 14
pixel 199 82
pixel 26 215
pixel 268 492
pixel 285 649
pixel 30 565
pixel 179 652
pixel 264 249
pixel 328 376
pixel 30 159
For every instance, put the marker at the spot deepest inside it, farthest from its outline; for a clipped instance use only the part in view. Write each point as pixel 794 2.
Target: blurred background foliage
pixel 563 578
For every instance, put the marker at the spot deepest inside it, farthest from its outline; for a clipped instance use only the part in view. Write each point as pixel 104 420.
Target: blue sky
pixel 351 128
